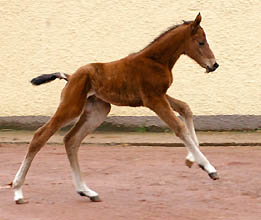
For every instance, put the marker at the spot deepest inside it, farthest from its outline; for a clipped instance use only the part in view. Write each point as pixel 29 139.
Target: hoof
pixel 82 194
pixel 92 198
pixel 21 201
pixel 95 199
pixel 189 163
pixel 201 167
pixel 213 176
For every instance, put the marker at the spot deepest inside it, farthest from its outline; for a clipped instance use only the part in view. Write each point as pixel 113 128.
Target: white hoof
pixel 18 196
pixel 87 192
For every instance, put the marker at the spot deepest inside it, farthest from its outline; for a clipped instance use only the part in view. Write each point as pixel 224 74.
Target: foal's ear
pixel 195 24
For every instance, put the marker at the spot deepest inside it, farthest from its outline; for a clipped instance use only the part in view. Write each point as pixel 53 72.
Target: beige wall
pixel 46 36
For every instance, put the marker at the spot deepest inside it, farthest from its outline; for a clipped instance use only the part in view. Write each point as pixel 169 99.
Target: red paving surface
pixel 134 183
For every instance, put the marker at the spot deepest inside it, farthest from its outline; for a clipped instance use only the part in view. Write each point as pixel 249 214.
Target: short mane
pixel 166 32
pixel 163 34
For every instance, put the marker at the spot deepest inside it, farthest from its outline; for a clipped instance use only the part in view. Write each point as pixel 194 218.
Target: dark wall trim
pixel 145 123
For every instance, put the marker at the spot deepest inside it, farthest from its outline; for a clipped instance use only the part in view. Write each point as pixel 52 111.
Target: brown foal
pixel 140 79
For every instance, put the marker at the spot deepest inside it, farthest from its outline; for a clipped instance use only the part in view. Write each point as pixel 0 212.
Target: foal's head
pixel 197 47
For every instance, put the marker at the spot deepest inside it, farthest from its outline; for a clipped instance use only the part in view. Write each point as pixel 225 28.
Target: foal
pixel 140 79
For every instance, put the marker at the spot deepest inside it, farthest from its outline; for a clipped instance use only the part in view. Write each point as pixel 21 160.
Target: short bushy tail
pixel 45 78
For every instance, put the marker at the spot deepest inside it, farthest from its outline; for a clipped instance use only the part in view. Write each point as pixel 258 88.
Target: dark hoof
pixel 81 194
pixel 21 201
pixel 201 167
pixel 213 176
pixel 95 199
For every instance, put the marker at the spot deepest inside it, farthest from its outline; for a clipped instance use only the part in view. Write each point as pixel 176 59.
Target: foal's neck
pixel 168 48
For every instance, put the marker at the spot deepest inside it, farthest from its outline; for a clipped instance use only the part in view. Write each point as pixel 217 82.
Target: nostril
pixel 216 65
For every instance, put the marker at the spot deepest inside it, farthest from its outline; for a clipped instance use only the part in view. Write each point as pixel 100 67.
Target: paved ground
pixel 135 182
pixel 144 138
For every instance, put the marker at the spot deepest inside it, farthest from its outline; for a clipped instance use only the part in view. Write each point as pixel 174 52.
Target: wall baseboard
pixel 145 123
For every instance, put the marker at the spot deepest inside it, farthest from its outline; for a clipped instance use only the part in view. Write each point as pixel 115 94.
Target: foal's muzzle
pixel 213 68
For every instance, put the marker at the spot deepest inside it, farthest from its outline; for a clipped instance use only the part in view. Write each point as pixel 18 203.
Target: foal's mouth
pixel 212 69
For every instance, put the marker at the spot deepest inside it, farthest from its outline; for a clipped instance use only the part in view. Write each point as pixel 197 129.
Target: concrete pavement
pixel 142 138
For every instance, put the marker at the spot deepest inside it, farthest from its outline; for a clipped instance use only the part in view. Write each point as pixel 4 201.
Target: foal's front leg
pixel 161 107
pixel 186 114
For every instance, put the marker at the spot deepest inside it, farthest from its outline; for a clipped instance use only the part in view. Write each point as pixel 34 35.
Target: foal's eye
pixel 201 43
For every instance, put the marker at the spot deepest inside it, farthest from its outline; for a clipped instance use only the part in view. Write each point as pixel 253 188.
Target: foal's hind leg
pixel 74 96
pixel 184 110
pixel 40 138
pixel 94 114
pixel 161 107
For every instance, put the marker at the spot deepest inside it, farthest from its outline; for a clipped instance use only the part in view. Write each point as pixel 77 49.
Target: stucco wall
pixel 46 36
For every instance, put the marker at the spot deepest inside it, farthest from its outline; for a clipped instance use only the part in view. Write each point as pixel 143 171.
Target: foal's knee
pixel 181 130
pixel 186 111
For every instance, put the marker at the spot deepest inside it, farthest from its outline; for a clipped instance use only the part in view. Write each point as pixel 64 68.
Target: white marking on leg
pixel 190 126
pixel 19 179
pixel 190 157
pixel 80 186
pixel 18 194
pixel 191 129
pixel 94 114
pixel 199 157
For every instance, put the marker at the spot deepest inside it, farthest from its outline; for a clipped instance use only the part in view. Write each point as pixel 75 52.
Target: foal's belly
pixel 119 97
pixel 116 85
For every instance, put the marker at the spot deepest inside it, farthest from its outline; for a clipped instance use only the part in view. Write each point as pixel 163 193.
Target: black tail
pixel 45 78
